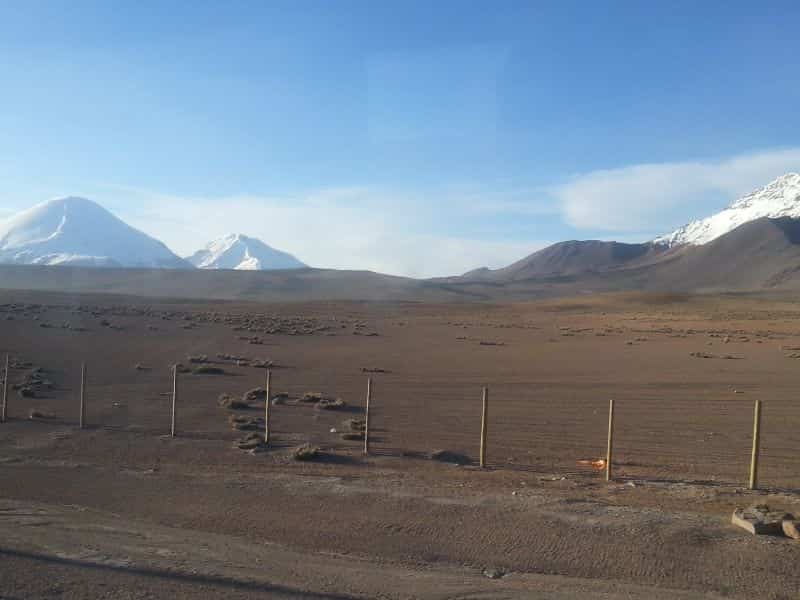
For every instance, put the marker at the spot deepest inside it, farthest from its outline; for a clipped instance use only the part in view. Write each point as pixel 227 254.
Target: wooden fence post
pixel 174 397
pixel 484 425
pixel 267 388
pixel 366 415
pixel 756 446
pixel 610 447
pixel 82 414
pixel 4 411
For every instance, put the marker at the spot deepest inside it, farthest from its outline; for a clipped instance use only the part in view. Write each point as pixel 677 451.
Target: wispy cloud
pixel 635 197
pixel 354 228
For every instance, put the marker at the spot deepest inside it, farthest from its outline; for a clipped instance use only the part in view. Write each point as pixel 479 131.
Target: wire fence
pixel 530 426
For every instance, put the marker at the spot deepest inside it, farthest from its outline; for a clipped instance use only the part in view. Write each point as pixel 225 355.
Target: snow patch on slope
pixel 242 253
pixel 781 198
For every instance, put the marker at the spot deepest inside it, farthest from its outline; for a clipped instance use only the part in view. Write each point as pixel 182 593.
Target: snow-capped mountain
pixel 78 232
pixel 237 251
pixel 781 198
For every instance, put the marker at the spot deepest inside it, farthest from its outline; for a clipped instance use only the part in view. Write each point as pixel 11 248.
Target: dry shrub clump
pixel 208 370
pixel 280 398
pixel 330 404
pixel 305 452
pixel 228 401
pixel 242 423
pixel 36 414
pixel 311 397
pixel 198 359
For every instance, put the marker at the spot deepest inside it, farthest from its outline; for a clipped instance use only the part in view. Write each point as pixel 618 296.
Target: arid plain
pixel 122 510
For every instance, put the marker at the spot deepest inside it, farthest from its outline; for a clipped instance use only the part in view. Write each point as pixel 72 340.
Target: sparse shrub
pixel 330 403
pixel 280 398
pixel 26 392
pixel 198 359
pixel 243 423
pixel 36 414
pixel 227 401
pixel 450 457
pixel 356 425
pixel 353 435
pixel 305 452
pixel 208 370
pixel 311 397
pixel 254 395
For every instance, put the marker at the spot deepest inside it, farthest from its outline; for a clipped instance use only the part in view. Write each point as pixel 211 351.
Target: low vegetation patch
pixel 448 456
pixel 36 415
pixel 305 452
pixel 228 401
pixel 330 404
pixel 208 370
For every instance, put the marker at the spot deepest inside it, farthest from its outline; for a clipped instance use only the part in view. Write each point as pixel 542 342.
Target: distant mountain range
pixel 78 232
pixel 753 244
pixel 779 200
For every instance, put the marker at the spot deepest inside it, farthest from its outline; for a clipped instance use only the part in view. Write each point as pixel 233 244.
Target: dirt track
pixel 682 444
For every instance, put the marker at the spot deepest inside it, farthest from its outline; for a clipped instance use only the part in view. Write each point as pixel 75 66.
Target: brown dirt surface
pixel 122 510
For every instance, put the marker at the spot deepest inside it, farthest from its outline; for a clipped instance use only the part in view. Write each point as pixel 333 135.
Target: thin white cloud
pixel 641 197
pixel 350 228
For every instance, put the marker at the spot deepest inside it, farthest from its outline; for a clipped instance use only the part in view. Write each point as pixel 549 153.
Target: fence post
pixel 610 447
pixel 756 446
pixel 82 414
pixel 4 411
pixel 174 397
pixel 366 415
pixel 267 388
pixel 484 425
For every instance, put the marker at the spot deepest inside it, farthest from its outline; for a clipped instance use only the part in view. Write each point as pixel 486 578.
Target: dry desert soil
pixel 120 509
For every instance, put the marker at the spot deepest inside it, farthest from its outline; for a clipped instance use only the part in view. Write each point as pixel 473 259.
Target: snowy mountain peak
pixel 779 198
pixel 243 253
pixel 77 231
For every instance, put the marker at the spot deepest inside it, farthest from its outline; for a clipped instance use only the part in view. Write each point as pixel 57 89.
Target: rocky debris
pixel 760 520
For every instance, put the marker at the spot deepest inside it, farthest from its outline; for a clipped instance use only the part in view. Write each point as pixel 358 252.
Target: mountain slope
pixel 79 232
pixel 569 259
pixel 760 254
pixel 242 253
pixel 780 198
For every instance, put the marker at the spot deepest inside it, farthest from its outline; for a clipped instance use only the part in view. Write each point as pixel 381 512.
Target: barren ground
pixel 122 510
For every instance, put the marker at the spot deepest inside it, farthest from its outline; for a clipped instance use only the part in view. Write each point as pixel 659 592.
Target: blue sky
pixel 416 138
